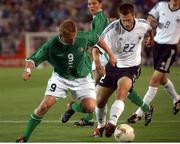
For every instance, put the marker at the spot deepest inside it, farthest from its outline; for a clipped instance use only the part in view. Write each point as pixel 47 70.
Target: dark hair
pixel 100 1
pixel 125 9
pixel 67 27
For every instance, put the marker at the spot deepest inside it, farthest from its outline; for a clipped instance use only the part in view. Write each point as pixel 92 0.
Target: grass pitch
pixel 18 99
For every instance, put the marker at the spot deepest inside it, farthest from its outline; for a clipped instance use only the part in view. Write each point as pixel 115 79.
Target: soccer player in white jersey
pixel 125 37
pixel 167 17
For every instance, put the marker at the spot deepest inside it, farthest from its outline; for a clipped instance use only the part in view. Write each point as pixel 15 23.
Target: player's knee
pixel 90 107
pixel 101 101
pixel 163 81
pixel 101 104
pixel 154 81
pixel 121 94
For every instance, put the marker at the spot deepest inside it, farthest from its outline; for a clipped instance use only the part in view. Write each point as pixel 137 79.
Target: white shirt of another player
pixel 168 30
pixel 126 45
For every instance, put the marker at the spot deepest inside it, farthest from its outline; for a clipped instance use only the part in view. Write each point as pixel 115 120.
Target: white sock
pixel 139 112
pixel 171 90
pixel 149 96
pixel 116 109
pixel 101 116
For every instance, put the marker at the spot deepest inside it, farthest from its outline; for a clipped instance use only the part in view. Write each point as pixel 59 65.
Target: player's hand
pixel 99 68
pixel 112 60
pixel 26 75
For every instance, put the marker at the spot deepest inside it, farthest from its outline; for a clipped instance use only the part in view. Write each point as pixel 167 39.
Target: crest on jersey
pixel 178 20
pixel 139 37
pixel 81 49
pixel 120 39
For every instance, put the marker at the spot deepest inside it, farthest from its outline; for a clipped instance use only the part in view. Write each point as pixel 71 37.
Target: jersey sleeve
pixel 40 55
pixel 93 38
pixel 155 11
pixel 147 25
pixel 108 42
pixel 99 49
pixel 105 33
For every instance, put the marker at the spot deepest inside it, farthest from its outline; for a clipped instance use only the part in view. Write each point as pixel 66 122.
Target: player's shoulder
pixel 112 25
pixel 141 20
pixel 115 22
pixel 143 23
pixel 53 40
pixel 100 14
pixel 161 4
pixel 81 34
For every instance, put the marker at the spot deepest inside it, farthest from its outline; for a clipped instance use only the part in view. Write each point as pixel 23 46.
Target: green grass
pixel 18 99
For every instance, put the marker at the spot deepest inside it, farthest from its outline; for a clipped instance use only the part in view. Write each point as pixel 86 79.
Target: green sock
pixel 145 107
pixel 77 107
pixel 88 116
pixel 33 122
pixel 133 96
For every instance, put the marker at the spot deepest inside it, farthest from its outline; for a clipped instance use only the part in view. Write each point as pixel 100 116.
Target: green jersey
pixel 99 22
pixel 69 61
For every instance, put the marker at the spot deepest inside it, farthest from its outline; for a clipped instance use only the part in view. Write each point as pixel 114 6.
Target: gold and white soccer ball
pixel 124 133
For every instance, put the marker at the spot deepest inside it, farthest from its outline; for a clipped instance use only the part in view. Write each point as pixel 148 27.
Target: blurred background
pixel 26 24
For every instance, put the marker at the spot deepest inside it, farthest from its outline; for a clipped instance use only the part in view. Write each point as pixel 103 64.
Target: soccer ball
pixel 124 133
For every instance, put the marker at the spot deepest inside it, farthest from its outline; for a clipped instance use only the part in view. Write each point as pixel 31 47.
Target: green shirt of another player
pixel 69 61
pixel 99 22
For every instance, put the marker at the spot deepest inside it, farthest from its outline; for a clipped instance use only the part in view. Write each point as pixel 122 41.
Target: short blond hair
pixel 68 28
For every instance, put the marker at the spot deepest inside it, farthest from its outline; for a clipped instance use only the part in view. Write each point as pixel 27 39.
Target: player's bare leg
pixel 37 116
pixel 103 95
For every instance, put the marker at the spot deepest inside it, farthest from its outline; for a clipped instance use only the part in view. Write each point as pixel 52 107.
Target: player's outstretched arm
pixel 96 58
pixel 104 46
pixel 29 65
pixel 152 21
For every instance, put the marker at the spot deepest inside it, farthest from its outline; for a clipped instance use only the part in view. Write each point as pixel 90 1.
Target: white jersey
pixel 168 30
pixel 126 45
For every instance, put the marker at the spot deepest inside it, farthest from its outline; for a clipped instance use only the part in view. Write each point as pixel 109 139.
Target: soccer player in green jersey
pixel 68 54
pixel 98 24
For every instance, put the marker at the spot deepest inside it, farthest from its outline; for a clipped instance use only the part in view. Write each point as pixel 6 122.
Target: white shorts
pixel 80 88
pixel 103 60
